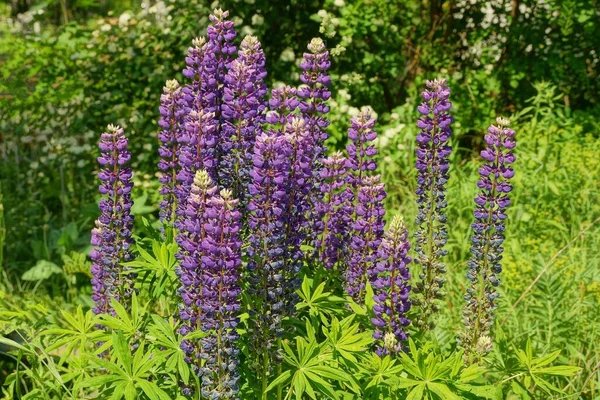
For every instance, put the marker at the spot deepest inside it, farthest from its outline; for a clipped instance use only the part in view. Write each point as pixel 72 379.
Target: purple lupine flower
pixel 218 56
pixel 366 232
pixel 315 93
pixel 190 237
pixel 196 153
pixel 173 108
pixel 111 237
pixel 268 216
pixel 300 187
pixel 334 211
pixel 490 215
pixel 283 103
pixel 198 139
pixel 243 109
pixel 221 263
pixel 361 151
pixel 391 289
pixel 432 166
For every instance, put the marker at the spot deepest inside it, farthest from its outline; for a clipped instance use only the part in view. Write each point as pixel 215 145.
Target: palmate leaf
pixel 537 368
pixel 431 375
pixel 162 334
pixel 309 372
pixel 158 267
pixel 128 323
pixel 345 338
pixel 80 331
pixel 318 302
pixel 127 373
pixel 377 370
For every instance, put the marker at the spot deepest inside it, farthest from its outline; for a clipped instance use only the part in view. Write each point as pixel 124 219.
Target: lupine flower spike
pixel 334 211
pixel 173 108
pixel 267 241
pixel 316 92
pixel 221 264
pixel 111 237
pixel 391 289
pixel 432 174
pixel 488 236
pixel 191 235
pixel 361 151
pixel 299 188
pixel 243 109
pixel 217 60
pixel 198 138
pixel 366 231
pixel 365 195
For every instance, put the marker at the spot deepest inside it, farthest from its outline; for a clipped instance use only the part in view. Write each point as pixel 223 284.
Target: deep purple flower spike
pixel 391 290
pixel 315 93
pixel 366 232
pixel 243 110
pixel 488 236
pixel 334 211
pixel 221 268
pixel 268 216
pixel 432 165
pixel 111 237
pixel 173 109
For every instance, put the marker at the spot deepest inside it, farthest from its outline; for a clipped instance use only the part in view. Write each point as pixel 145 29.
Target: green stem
pixel 265 378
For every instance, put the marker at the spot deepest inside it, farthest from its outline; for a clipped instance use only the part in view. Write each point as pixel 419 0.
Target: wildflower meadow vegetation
pixel 271 240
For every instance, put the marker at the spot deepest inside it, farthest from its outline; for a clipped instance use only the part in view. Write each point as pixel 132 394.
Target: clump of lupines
pixel 391 289
pixel 484 266
pixel 243 114
pixel 111 237
pixel 221 268
pixel 432 165
pixel 333 211
pixel 191 252
pixel 366 231
pixel 290 188
pixel 173 108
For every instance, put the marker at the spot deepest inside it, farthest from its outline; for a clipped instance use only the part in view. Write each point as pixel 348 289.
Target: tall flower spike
pixel 243 109
pixel 391 289
pixel 191 235
pixel 221 264
pixel 300 187
pixel 366 232
pixel 197 141
pixel 218 57
pixel 283 103
pixel 488 236
pixel 197 152
pixel 315 93
pixel 361 150
pixel 266 251
pixel 173 108
pixel 111 237
pixel 432 165
pixel 333 211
